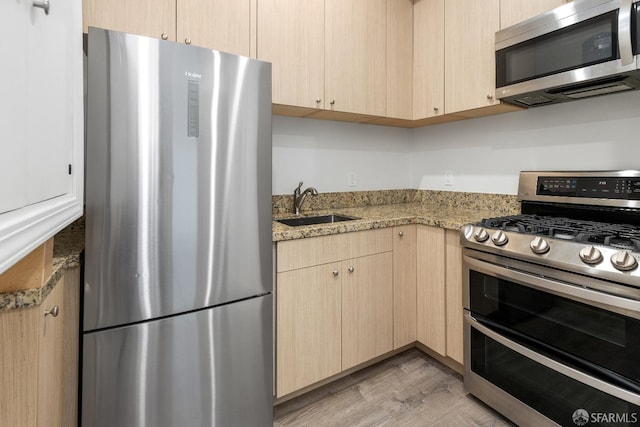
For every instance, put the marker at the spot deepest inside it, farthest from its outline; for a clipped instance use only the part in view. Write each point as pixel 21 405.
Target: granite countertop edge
pixel 34 297
pixel 373 217
pixel 67 248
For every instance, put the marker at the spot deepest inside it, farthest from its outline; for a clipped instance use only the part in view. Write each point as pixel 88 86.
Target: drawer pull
pixel 53 312
pixel 44 5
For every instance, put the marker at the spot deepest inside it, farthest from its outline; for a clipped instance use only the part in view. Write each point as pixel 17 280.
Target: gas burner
pixel 619 236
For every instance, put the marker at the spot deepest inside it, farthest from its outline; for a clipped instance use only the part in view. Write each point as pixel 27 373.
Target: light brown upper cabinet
pixel 291 37
pixel 355 56
pixel 428 58
pixel 400 59
pixel 152 18
pixel 351 56
pixel 514 11
pixel 470 28
pixel 216 24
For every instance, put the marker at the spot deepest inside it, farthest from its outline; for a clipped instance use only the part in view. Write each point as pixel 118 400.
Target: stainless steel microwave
pixel 578 50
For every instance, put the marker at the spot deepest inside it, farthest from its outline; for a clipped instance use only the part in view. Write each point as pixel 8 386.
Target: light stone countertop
pixel 371 217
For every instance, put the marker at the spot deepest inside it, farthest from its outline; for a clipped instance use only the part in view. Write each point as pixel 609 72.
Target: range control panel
pixel 590 187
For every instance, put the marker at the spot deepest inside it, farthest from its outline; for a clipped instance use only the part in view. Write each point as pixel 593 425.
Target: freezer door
pixel 203 369
pixel 178 190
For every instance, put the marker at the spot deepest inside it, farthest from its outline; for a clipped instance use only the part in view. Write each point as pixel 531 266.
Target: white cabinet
pixel 41 122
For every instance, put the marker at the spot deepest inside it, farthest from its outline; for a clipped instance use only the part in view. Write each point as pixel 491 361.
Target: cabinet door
pixel 13 107
pixel 470 27
pixel 428 58
pixel 431 288
pixel 355 56
pixel 514 11
pixel 215 24
pixel 367 308
pixel 70 324
pixel 308 326
pixel 152 18
pixel 51 359
pixel 291 37
pixel 404 285
pixel 400 59
pixel 18 366
pixel 50 102
pixel 453 294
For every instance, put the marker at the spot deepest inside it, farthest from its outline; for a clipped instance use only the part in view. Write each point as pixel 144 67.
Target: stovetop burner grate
pixel 622 236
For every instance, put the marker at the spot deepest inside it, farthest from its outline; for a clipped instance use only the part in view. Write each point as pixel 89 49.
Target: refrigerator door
pixel 208 368
pixel 178 187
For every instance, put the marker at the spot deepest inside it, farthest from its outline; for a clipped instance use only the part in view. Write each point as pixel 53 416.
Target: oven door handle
pixel 625 306
pixel 550 363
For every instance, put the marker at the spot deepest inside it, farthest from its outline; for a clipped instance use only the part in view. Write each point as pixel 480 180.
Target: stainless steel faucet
pixel 298 197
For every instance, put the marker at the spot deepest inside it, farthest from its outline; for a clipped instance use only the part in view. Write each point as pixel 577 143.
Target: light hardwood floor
pixel 410 389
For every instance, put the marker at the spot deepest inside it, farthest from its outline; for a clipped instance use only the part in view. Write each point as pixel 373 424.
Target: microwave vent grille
pixel 597 90
pixel 533 100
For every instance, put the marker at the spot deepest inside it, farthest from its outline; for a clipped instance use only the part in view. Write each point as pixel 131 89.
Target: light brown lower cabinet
pixel 404 285
pixel 309 326
pixel 367 308
pixel 439 291
pixel 333 316
pixel 453 295
pixel 346 299
pixel 39 359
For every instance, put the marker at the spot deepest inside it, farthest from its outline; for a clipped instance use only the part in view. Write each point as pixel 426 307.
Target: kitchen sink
pixel 311 220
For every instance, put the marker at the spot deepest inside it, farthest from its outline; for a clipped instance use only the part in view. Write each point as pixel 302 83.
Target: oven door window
pixel 541 388
pixel 601 343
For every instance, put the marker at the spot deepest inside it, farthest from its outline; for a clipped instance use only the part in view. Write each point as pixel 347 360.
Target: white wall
pixel 484 155
pixel 321 153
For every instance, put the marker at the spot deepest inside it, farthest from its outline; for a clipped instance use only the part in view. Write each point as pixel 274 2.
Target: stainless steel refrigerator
pixel 178 277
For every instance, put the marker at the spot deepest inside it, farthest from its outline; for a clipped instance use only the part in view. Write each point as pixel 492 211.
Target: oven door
pixel 543 344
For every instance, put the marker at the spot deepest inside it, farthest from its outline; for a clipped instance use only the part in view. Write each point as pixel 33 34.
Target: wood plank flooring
pixel 410 389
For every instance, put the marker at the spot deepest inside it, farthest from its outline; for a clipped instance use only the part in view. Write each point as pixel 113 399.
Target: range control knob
pixel 590 255
pixel 481 235
pixel 624 261
pixel 499 238
pixel 539 246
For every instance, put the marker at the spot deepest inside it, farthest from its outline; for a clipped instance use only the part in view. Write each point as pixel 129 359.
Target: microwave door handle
pixel 624 32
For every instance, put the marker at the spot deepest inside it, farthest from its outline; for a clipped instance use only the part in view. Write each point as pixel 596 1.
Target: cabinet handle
pixel 401 233
pixel 164 36
pixel 333 102
pixel 187 41
pixel 351 269
pixel 335 272
pixel 489 97
pixel 436 109
pixel 53 312
pixel 318 100
pixel 44 5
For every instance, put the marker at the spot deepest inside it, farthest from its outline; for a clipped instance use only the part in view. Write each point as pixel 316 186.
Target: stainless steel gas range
pixel 552 302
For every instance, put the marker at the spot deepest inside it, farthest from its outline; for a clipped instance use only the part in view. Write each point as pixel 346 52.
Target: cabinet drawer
pixel 293 254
